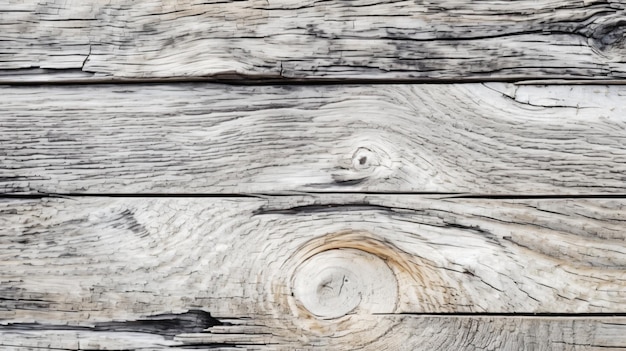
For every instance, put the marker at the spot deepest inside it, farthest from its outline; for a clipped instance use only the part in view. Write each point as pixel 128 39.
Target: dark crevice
pixel 510 314
pixel 252 80
pixel 209 346
pixel 166 325
pixel 308 209
pixel 538 196
pixel 204 346
pixel 350 182
pixel 132 195
pixel 472 228
pixel 434 195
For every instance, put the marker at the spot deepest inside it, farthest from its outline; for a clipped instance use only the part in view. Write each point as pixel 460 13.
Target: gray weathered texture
pixel 316 39
pixel 86 267
pixel 199 138
pixel 299 243
pixel 401 332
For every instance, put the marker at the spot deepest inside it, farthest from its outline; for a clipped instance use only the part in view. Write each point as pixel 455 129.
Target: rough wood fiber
pixel 198 138
pixel 80 268
pixel 393 39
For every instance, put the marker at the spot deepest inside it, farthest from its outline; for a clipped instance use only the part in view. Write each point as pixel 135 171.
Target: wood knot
pixel 367 163
pixel 351 273
pixel 364 158
pixel 608 38
pixel 336 285
pixel 337 282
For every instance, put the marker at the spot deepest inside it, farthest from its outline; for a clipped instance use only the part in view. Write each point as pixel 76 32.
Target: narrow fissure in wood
pixel 252 80
pixel 513 314
pixel 440 195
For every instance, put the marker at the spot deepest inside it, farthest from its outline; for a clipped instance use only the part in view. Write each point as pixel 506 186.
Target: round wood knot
pixel 363 158
pixel 334 288
pixel 366 163
pixel 338 282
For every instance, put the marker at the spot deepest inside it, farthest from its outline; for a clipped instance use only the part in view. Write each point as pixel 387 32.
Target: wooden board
pixel 326 270
pixel 199 138
pixel 403 332
pixel 487 40
pixel 67 256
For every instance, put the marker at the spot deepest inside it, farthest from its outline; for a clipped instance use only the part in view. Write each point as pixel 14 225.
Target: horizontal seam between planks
pixel 508 314
pixel 443 195
pixel 262 81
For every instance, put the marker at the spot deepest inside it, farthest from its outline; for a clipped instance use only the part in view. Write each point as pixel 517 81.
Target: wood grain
pixel 489 40
pixel 199 138
pixel 96 262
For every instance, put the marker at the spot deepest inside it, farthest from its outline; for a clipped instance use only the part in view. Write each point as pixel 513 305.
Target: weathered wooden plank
pixel 405 332
pixel 198 138
pixel 312 39
pixel 93 259
pixel 328 271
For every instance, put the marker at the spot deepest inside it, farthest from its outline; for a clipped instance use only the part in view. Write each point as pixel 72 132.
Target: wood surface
pixel 404 332
pixel 330 196
pixel 209 138
pixel 543 272
pixel 260 39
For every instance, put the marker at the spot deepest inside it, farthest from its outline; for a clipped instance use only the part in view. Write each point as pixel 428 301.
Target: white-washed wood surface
pixel 204 138
pixel 65 39
pixel 307 270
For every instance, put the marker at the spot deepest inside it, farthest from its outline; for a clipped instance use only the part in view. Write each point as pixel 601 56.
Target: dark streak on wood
pixel 308 209
pixel 167 325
